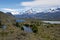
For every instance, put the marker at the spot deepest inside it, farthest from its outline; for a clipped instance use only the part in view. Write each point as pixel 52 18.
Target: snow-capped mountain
pixel 51 14
pixel 32 11
pixel 58 9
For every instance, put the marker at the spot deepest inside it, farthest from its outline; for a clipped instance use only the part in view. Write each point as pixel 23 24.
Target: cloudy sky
pixel 16 6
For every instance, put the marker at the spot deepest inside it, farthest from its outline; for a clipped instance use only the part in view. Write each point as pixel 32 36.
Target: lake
pixel 4 27
pixel 52 22
pixel 20 20
pixel 27 29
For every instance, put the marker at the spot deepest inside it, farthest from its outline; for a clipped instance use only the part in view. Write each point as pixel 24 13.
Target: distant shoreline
pixel 52 22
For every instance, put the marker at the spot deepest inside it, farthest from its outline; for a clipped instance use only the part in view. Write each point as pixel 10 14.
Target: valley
pixel 12 28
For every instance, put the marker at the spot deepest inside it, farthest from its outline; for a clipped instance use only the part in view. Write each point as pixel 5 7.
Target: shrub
pixel 11 31
pixel 47 26
pixel 0 23
pixel 26 25
pixel 17 24
pixel 34 28
pixel 22 28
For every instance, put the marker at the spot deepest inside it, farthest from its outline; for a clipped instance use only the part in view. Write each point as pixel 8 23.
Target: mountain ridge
pixel 54 15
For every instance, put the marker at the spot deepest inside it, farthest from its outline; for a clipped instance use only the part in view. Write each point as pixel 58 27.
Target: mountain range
pixel 51 14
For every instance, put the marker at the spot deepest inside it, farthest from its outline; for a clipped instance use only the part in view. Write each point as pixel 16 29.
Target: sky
pixel 17 6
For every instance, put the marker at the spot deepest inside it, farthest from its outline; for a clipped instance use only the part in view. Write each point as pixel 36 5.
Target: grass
pixel 44 31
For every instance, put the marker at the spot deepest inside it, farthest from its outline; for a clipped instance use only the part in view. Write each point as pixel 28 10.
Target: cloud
pixel 8 9
pixel 13 11
pixel 41 3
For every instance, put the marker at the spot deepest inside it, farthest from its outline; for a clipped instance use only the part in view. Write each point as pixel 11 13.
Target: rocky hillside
pixel 10 30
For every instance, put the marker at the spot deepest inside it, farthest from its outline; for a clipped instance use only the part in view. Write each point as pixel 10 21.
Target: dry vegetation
pixel 12 32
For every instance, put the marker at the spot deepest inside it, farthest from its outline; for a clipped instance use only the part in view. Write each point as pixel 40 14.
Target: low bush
pixel 17 24
pixel 34 28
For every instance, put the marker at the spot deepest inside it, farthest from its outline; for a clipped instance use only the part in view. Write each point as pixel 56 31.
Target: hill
pixel 10 30
pixel 5 18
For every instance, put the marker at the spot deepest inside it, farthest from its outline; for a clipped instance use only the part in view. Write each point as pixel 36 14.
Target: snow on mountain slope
pixel 51 14
pixel 34 11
